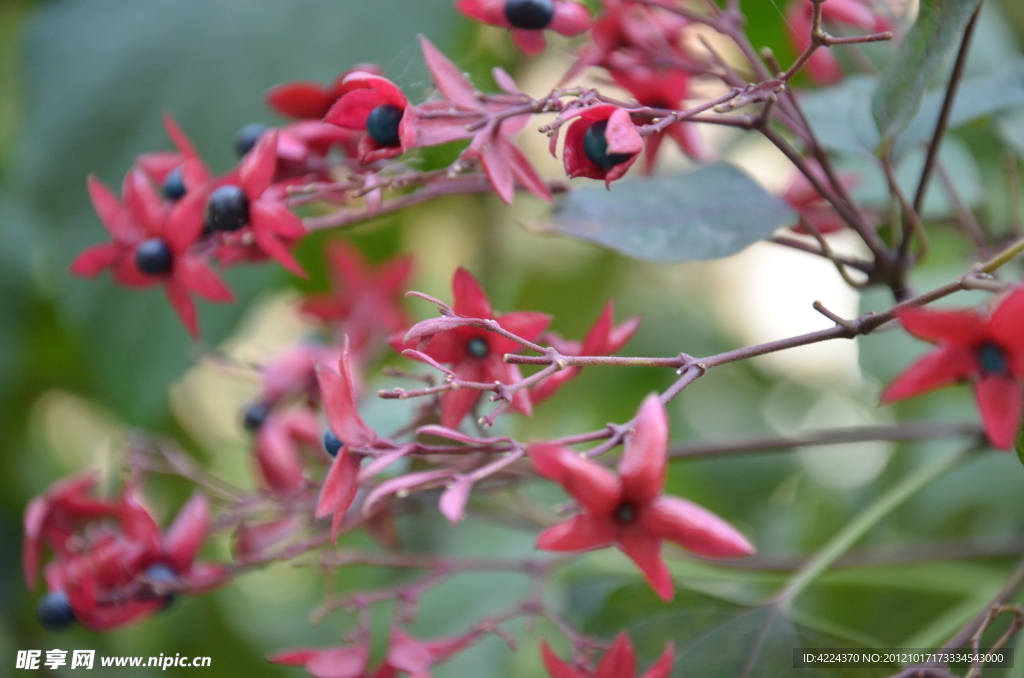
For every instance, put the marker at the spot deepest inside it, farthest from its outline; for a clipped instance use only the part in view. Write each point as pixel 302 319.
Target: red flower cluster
pixel 475 355
pixel 988 351
pixel 168 237
pixel 629 510
pixel 365 302
pixel 112 566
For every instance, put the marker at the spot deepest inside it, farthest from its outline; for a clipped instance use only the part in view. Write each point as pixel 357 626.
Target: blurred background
pixel 83 84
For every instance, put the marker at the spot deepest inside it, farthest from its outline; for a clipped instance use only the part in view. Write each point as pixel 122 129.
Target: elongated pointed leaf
pixel 935 35
pixel 712 212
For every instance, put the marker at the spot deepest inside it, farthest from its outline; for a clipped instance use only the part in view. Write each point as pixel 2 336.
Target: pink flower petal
pixel 258 166
pixel 557 668
pixel 448 78
pixel 96 258
pixel 300 99
pixel 183 305
pixel 453 500
pixel 455 405
pixel 663 667
pixel 594 486
pixel 1001 403
pixel 337 391
pixel 619 661
pixel 499 173
pixel 530 42
pixel 571 18
pixel 196 275
pixel 339 490
pixel 187 532
pixel 179 138
pixel 469 298
pixel 960 328
pixel 645 550
pixel 644 462
pixel 942 367
pixel 694 528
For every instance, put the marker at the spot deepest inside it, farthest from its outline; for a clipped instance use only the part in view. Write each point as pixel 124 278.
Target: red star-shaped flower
pixel 277 448
pixel 375 105
pixel 528 19
pixel 108 575
pixel 604 338
pixel 493 145
pixel 151 245
pixel 618 662
pixel 365 300
pixel 476 354
pixel 247 211
pixel 629 510
pixel 988 351
pixel 55 515
pixel 601 143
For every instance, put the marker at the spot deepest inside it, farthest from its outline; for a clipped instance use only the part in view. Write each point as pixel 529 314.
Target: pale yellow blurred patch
pixel 77 432
pixel 444 235
pixel 208 399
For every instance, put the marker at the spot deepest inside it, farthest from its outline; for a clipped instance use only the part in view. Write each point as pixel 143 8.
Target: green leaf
pixel 712 212
pixel 840 115
pixel 937 31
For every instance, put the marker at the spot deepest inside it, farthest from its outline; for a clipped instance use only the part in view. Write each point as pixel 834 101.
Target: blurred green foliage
pixel 82 86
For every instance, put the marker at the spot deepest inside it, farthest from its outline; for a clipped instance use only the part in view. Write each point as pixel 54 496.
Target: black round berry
pixel 162 576
pixel 247 137
pixel 332 443
pixel 154 256
pixel 625 513
pixel 174 185
pixel 530 14
pixel 595 146
pixel 993 359
pixel 255 415
pixel 478 347
pixel 382 125
pixel 54 611
pixel 227 209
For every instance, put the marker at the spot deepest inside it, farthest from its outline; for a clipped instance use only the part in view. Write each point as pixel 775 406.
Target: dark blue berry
pixel 382 125
pixel 993 359
pixel 154 257
pixel 595 146
pixel 478 347
pixel 227 209
pixel 332 443
pixel 255 415
pixel 162 576
pixel 530 14
pixel 247 137
pixel 54 611
pixel 174 185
